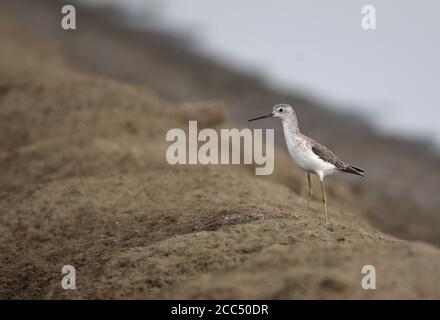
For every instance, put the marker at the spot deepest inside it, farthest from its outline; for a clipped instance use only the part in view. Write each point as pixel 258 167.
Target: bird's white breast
pixel 303 156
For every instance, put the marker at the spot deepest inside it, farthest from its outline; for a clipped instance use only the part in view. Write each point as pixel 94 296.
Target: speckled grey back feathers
pixel 328 156
pixel 325 154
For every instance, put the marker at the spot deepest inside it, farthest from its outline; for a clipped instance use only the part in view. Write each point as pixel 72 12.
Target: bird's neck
pixel 290 127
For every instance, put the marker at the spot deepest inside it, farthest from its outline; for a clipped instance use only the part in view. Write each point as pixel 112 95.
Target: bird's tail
pixel 353 170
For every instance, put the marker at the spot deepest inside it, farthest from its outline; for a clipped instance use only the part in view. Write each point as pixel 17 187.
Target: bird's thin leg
pixel 310 194
pixel 324 200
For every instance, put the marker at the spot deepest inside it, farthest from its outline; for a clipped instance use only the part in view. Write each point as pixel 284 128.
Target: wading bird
pixel 307 153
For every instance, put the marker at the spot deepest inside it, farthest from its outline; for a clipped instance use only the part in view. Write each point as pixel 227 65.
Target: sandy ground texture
pixel 84 181
pixel 400 194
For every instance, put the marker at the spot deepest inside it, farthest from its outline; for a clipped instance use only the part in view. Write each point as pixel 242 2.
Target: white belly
pixel 304 158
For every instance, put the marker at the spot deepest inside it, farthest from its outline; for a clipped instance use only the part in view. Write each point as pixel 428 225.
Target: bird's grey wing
pixel 326 155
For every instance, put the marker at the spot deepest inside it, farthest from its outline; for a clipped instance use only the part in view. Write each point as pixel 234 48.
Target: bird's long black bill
pixel 262 117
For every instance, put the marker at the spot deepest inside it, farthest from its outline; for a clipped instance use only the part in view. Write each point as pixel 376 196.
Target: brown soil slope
pixel 84 181
pixel 400 197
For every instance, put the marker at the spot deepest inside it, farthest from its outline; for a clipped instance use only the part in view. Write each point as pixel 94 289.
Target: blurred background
pixel 370 96
pixel 84 114
pixel 389 75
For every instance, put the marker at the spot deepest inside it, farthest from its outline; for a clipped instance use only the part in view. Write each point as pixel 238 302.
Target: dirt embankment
pixel 400 194
pixel 84 181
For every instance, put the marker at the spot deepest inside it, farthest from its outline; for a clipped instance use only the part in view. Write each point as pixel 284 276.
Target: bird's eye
pixel 280 110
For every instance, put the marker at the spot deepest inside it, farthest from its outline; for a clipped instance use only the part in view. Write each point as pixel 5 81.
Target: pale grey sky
pixel 390 74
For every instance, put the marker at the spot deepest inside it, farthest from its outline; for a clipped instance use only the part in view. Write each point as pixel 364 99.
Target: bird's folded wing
pixel 326 155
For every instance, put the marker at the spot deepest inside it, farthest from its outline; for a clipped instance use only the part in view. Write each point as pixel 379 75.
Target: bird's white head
pixel 283 111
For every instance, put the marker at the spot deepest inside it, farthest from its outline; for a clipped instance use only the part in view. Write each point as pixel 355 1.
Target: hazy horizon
pixel 319 48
